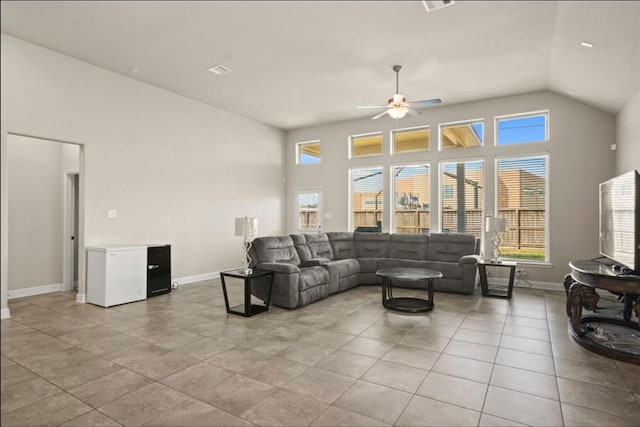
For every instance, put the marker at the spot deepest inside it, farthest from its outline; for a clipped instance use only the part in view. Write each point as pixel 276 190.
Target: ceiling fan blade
pixel 372 106
pixel 413 112
pixel 425 102
pixel 379 115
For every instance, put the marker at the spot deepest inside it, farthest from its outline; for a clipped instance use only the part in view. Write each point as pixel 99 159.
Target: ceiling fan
pixel 397 106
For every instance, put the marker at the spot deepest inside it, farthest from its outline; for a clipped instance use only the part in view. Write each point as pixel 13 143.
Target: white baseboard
pixel 181 281
pixel 35 290
pixel 81 298
pixel 4 313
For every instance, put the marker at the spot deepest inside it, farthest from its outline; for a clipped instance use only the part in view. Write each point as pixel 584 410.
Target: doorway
pixel 71 229
pixel 309 210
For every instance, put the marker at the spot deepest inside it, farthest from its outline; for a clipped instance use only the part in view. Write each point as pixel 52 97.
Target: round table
pixel 407 304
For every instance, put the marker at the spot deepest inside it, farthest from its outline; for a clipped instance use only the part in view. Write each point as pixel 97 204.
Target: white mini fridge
pixel 116 274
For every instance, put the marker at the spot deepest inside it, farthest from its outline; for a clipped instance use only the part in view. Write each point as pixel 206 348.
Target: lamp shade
pixel 246 226
pixel 494 224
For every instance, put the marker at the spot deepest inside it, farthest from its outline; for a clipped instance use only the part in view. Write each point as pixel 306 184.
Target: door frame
pixel 68 258
pixel 308 190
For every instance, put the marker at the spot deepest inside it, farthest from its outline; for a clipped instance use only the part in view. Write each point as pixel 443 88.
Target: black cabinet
pixel 158 270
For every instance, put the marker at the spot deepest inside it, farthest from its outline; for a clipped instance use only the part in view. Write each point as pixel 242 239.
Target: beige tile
pixel 486 353
pixel 237 394
pixel 144 405
pixel 33 343
pixel 526 345
pixel 523 360
pixel 605 375
pixel 412 356
pixel 573 351
pixel 204 348
pixel 237 360
pixel 425 341
pixel 383 333
pixel 542 385
pixel 458 391
pixel 522 408
pixel 631 374
pixel 483 326
pixel 487 420
pixel 14 373
pixel 422 411
pixel 270 344
pixel 394 375
pixel 487 317
pixel 527 321
pixel 109 387
pixel 367 347
pixel 526 332
pixel 374 401
pixel 462 367
pixel 81 373
pixel 305 353
pixel 347 327
pixel 197 379
pixel 583 417
pixel 345 363
pixel 335 416
pixel 478 337
pixel 284 408
pixel 194 413
pixel 50 411
pixel 611 400
pixel 18 395
pixel 162 365
pixel 442 331
pixel 93 419
pixel 5 361
pixel 135 354
pixel 325 338
pixel 320 384
pixel 109 344
pixel 275 371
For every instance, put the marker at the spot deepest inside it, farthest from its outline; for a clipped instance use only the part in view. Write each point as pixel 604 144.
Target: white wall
pixel 628 137
pixel 580 158
pixel 176 170
pixel 36 193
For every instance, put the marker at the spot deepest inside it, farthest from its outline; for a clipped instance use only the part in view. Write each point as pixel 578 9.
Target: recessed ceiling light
pixel 220 69
pixel 586 44
pixel 431 5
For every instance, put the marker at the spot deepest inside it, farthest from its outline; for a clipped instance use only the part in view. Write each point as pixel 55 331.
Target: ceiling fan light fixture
pixel 398 111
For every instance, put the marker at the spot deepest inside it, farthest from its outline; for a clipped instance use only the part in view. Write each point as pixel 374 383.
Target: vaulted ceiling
pixel 302 63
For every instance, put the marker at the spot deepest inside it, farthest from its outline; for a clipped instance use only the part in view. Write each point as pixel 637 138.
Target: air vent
pixel 220 69
pixel 432 5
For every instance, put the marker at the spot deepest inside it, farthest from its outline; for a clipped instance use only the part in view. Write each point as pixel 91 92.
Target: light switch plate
pixel 112 213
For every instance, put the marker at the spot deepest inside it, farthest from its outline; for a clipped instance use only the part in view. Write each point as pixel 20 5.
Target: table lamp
pixel 248 228
pixel 496 226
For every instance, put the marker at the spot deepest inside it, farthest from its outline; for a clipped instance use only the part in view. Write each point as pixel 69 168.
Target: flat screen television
pixel 620 221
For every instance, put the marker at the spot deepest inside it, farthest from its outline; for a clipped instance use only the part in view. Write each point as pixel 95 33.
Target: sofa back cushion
pixel 312 246
pixel 450 247
pixel 409 246
pixel 276 249
pixel 300 243
pixel 372 245
pixel 342 244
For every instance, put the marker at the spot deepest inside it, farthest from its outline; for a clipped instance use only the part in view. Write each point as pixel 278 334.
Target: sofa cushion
pixel 340 269
pixel 342 244
pixel 319 245
pixel 409 246
pixel 372 245
pixel 450 247
pixel 300 243
pixel 311 277
pixel 276 249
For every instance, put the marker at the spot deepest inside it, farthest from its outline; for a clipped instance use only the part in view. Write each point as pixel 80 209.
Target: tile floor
pixel 180 360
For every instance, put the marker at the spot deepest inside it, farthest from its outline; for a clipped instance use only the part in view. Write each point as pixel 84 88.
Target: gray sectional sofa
pixel 309 267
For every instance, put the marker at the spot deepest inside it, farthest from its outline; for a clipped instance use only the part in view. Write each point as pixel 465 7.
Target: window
pixel 463 211
pixel 308 152
pixel 411 198
pixel 366 199
pixel 521 193
pixel 521 129
pixel 462 135
pixel 365 145
pixel 410 140
pixel 308 213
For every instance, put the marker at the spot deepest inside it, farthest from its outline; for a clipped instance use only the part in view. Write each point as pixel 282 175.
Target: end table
pixel 499 293
pixel 260 277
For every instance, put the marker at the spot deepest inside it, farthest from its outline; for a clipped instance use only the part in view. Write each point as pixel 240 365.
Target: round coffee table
pixel 407 304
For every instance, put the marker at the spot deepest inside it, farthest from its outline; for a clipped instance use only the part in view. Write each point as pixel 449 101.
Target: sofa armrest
pixel 469 259
pixel 279 267
pixel 314 262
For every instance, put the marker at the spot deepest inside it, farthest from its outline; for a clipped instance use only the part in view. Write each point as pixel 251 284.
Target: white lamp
pixel 248 228
pixel 495 225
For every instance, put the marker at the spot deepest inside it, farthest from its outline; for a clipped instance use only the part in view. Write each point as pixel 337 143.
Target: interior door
pixel 309 211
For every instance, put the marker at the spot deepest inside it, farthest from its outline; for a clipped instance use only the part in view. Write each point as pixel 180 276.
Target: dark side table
pixel 256 278
pixel 499 292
